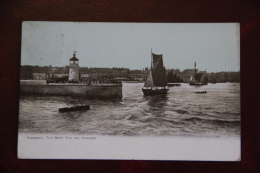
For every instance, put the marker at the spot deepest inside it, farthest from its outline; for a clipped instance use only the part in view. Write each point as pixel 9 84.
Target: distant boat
pixel 156 81
pixel 201 92
pixel 199 79
pixel 74 108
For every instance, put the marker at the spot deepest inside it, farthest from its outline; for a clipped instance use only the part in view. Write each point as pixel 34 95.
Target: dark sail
pixel 156 59
pixel 198 77
pixel 158 71
pixel 204 78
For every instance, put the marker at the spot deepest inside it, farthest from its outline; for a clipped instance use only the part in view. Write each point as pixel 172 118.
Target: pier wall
pixel 92 91
pixel 33 82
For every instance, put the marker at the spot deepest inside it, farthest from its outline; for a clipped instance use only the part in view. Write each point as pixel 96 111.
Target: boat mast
pixel 151 58
pixel 195 71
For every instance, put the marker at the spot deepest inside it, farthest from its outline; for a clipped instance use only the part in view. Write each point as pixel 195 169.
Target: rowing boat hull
pixel 74 108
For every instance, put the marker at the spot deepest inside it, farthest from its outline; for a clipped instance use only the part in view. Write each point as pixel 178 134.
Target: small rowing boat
pixel 201 92
pixel 74 108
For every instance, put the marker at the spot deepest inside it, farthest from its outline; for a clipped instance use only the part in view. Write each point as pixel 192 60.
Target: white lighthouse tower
pixel 73 70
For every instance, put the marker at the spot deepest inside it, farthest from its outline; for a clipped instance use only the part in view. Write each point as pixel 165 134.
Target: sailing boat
pixel 199 79
pixel 191 78
pixel 156 81
pixel 204 78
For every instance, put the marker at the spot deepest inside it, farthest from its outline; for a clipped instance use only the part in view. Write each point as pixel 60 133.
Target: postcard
pixel 130 91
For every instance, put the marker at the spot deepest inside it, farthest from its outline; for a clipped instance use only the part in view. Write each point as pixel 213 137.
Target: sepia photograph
pixel 130 91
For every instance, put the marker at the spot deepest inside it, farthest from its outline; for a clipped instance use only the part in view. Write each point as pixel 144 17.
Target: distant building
pixel 39 76
pixel 202 72
pixel 55 70
pixel 146 70
pixel 119 79
pixel 136 77
pixel 187 73
pixel 84 77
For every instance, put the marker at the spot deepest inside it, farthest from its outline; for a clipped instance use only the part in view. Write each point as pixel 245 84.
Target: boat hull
pixel 201 92
pixel 75 108
pixel 173 84
pixel 155 92
pixel 198 84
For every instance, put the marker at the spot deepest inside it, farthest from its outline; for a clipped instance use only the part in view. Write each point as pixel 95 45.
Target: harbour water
pixel 181 112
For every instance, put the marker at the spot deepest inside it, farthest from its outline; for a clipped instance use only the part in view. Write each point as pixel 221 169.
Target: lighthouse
pixel 73 70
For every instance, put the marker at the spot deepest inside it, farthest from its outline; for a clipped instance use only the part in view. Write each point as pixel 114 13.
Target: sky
pixel 214 46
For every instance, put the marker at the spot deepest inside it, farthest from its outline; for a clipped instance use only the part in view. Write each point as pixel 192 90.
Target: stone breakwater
pixel 103 91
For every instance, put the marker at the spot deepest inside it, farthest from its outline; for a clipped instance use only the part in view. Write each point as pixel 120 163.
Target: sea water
pixel 181 112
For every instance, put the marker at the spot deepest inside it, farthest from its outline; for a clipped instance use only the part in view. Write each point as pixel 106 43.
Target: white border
pixel 128 148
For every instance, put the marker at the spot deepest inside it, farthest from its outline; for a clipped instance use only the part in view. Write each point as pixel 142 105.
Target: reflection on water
pixel 157 100
pixel 181 112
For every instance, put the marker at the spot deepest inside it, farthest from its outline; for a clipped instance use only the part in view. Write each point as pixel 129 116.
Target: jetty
pixel 73 86
pixel 100 90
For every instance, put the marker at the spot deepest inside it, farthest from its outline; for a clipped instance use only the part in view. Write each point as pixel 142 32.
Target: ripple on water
pixel 179 113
